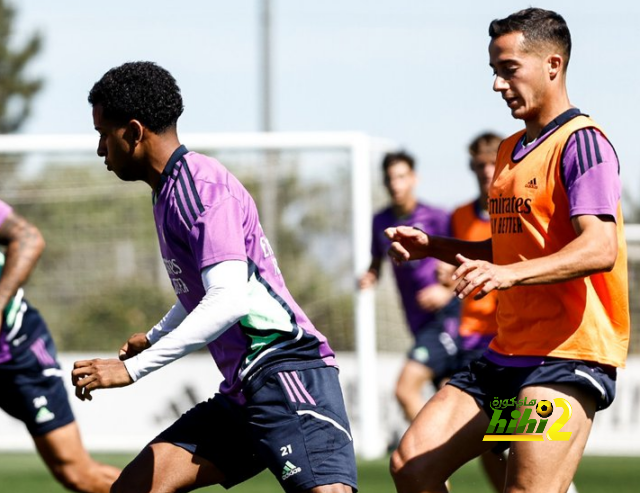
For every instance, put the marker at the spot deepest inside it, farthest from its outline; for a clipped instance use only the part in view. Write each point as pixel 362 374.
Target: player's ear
pixel 136 131
pixel 554 63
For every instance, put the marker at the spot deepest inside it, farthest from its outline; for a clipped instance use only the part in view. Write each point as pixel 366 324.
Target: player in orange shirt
pixel 556 256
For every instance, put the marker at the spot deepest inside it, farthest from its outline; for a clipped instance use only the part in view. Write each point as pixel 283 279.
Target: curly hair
pixel 140 91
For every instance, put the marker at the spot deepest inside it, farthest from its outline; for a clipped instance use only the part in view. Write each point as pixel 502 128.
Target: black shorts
pixel 294 424
pixel 485 381
pixel 32 387
pixel 436 345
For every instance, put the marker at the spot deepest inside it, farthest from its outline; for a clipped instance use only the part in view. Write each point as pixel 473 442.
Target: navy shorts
pixel 294 423
pixel 32 387
pixel 486 381
pixel 436 344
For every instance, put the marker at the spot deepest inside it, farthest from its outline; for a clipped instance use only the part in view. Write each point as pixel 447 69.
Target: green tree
pixel 17 90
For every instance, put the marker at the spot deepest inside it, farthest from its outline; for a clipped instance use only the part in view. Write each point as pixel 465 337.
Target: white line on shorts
pixel 328 420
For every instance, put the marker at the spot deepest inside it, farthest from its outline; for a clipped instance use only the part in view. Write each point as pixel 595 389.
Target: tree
pixel 16 89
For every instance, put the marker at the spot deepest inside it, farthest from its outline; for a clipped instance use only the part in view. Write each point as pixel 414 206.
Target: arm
pixel 140 341
pixel 224 303
pixel 594 250
pixel 24 245
pixel 411 244
pixel 372 275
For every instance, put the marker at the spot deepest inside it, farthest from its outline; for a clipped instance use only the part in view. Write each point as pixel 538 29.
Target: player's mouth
pixel 511 102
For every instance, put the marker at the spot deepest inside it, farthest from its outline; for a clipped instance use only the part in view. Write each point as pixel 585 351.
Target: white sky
pixel 414 71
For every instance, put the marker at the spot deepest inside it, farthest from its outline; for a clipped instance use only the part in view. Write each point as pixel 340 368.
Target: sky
pixel 413 71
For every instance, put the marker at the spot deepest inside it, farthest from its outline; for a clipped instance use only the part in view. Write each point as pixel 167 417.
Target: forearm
pixel 225 302
pixel 588 254
pixel 446 249
pixel 24 247
pixel 169 322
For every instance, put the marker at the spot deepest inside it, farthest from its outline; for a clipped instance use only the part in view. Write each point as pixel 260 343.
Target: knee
pixel 400 466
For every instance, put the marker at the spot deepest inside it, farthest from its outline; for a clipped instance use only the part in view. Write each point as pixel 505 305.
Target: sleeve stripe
pixel 596 146
pixel 578 153
pixel 587 149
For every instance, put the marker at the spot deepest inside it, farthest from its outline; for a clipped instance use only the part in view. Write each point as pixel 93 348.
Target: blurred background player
pixel 430 308
pixel 31 385
pixel 470 222
pixel 478 323
pixel 280 405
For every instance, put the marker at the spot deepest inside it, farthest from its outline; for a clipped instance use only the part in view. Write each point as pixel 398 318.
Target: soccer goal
pixel 101 277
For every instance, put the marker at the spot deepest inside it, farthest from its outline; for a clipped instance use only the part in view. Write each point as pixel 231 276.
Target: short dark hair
pixel 391 158
pixel 140 91
pixel 538 26
pixel 484 139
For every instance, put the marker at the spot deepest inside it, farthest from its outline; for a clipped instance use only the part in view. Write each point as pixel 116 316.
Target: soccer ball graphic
pixel 544 409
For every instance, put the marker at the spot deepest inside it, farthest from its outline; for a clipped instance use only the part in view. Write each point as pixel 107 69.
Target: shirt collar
pixel 168 169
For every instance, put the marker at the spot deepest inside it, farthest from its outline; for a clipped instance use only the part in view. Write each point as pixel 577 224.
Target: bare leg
pixel 413 377
pixel 495 467
pixel 528 467
pixel 446 434
pixel 166 468
pixel 67 459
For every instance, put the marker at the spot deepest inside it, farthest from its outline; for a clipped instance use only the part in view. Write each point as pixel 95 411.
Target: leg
pixel 446 434
pixel 162 467
pixel 413 377
pixel 495 467
pixel 67 459
pixel 528 465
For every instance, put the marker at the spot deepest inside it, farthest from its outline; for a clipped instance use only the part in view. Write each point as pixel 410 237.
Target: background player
pixel 557 255
pixel 430 308
pixel 280 405
pixel 31 385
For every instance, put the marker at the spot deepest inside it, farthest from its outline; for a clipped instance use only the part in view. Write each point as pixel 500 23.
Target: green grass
pixel 25 473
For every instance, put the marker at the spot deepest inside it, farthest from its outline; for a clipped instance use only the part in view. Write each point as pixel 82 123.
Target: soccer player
pixel 280 405
pixel 557 257
pixel 431 309
pixel 31 385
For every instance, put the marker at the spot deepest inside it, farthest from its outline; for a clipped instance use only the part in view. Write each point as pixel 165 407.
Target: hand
pixel 89 375
pixel 135 345
pixel 444 271
pixel 408 243
pixel 482 275
pixel 434 297
pixel 367 280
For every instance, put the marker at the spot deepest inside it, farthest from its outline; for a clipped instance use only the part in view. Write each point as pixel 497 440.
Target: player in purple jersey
pixel 31 385
pixel 430 308
pixel 280 405
pixel 565 232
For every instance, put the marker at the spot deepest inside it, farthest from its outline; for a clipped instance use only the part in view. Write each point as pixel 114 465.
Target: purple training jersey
pixel 205 216
pixel 417 274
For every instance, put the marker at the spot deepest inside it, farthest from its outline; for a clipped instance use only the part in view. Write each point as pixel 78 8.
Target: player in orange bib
pixel 557 258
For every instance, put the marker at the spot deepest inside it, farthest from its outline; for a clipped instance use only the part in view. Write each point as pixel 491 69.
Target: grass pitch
pixel 25 473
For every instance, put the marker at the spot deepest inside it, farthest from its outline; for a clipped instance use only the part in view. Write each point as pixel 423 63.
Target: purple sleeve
pixel 218 234
pixel 591 174
pixel 5 210
pixel 376 247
